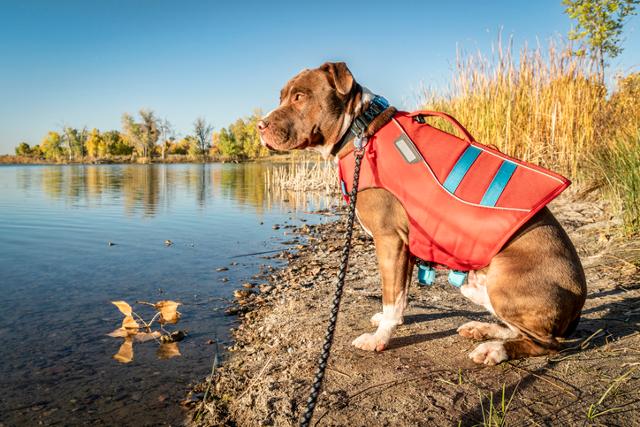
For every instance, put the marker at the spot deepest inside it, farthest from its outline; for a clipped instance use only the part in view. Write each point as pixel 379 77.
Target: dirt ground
pixel 424 378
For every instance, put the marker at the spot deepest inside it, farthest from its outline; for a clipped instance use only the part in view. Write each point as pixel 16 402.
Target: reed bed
pixel 549 107
pixel 305 175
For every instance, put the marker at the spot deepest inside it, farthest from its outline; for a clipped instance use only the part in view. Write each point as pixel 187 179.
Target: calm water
pixel 58 275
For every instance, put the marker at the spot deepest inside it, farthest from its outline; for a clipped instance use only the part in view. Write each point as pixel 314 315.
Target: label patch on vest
pixel 407 149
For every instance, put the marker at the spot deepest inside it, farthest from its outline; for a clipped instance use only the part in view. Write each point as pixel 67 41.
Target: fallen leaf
pixel 168 350
pixel 146 336
pixel 130 323
pixel 123 307
pixel 119 333
pixel 125 352
pixel 168 311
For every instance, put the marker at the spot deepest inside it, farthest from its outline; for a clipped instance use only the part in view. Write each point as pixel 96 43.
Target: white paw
pixel 376 318
pixel 473 330
pixel 490 353
pixel 370 342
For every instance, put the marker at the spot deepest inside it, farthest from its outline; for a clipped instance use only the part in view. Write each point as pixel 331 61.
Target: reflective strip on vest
pixel 461 168
pixel 498 183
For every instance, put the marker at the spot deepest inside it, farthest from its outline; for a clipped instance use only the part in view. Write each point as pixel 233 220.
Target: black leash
pixel 328 338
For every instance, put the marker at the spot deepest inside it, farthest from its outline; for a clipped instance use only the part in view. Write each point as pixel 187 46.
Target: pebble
pixel 248 285
pixel 265 289
pixel 168 242
pixel 241 293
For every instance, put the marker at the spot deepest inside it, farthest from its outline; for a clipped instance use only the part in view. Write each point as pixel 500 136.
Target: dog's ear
pixel 339 76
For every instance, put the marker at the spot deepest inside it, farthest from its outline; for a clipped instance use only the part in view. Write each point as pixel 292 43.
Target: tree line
pixel 147 137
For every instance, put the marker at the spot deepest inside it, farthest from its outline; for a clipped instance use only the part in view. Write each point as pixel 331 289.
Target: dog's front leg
pixel 395 264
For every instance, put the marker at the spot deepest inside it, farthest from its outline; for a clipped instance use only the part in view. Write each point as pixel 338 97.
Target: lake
pixel 58 274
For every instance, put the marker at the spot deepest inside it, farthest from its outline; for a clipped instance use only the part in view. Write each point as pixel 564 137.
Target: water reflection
pixel 60 272
pixel 144 189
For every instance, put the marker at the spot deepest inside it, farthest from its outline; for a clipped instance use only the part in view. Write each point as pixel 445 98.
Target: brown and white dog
pixel 535 285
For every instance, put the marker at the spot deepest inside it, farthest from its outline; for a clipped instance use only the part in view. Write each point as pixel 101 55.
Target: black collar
pixel 360 124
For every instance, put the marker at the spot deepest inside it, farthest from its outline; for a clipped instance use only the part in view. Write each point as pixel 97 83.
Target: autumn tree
pixel 240 139
pixel 143 135
pixel 202 133
pixel 51 146
pixel 96 146
pixel 167 133
pixel 74 140
pixel 115 144
pixel 23 149
pixel 599 26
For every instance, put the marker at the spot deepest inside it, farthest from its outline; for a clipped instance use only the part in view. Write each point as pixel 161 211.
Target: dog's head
pixel 315 109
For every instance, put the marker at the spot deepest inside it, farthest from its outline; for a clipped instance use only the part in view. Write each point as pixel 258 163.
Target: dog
pixel 535 285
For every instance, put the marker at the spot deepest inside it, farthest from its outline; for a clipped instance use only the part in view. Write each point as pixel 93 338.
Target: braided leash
pixel 328 338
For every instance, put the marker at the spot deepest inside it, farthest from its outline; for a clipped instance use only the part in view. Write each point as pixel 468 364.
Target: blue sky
pixel 84 63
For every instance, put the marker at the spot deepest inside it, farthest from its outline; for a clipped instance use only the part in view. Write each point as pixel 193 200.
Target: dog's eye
pixel 298 97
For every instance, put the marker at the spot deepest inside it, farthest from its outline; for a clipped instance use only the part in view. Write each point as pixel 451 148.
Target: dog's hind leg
pixel 494 352
pixel 485 331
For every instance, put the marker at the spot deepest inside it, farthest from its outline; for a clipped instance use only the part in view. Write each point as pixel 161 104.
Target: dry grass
pixel 305 175
pixel 539 106
pixel 547 106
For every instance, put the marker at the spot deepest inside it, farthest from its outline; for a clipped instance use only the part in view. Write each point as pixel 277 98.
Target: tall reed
pixel 548 107
pixel 541 106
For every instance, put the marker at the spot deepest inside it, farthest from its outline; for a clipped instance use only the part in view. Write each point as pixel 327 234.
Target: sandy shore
pixel 425 377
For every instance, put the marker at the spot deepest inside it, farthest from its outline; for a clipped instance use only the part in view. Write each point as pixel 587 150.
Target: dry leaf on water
pixel 119 333
pixel 146 336
pixel 125 352
pixel 168 311
pixel 168 350
pixel 130 323
pixel 123 307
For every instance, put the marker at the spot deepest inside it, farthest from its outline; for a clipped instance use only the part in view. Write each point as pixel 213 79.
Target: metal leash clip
pixel 360 142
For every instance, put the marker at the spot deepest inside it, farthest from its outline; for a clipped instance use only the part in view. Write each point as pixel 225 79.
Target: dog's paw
pixel 369 342
pixel 490 353
pixel 473 330
pixel 375 319
pixel 378 317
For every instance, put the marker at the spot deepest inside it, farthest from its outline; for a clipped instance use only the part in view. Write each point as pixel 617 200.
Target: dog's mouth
pixel 283 140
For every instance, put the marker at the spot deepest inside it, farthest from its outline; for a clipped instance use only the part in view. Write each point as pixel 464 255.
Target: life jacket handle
pixel 447 117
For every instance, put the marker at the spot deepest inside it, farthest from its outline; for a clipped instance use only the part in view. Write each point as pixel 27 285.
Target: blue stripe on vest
pixel 461 167
pixel 498 183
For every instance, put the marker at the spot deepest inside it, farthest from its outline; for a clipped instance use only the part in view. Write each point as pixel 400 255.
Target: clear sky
pixel 84 63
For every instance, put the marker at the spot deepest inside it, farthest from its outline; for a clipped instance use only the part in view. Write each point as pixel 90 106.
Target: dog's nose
pixel 262 125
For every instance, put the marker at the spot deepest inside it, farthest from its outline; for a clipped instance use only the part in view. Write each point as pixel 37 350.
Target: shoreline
pixel 425 377
pixel 12 160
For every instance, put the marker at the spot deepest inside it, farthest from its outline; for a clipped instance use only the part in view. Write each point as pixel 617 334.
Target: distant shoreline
pixel 10 159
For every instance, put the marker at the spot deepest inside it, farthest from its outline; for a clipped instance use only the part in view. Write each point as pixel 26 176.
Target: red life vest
pixel 464 200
